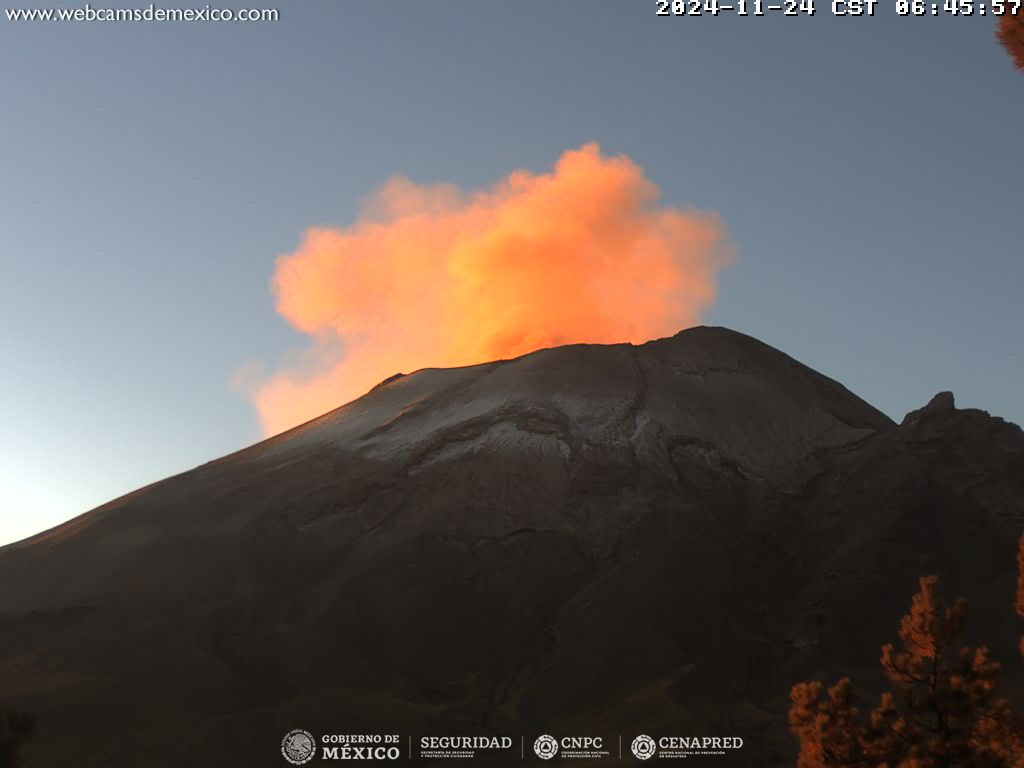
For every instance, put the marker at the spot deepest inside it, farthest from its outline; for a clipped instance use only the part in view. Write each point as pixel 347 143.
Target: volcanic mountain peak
pixel 711 385
pixel 658 538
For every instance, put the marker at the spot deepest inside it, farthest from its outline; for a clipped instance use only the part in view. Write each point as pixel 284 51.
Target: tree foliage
pixel 943 709
pixel 1010 33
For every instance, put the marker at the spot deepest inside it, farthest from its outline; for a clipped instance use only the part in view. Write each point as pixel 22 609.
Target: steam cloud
pixel 432 276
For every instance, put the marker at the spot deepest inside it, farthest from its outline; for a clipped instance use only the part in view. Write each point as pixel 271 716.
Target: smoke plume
pixel 433 276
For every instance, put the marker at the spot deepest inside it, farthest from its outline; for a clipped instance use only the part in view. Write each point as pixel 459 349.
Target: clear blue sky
pixel 868 169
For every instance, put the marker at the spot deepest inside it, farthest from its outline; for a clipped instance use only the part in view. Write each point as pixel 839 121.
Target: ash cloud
pixel 431 275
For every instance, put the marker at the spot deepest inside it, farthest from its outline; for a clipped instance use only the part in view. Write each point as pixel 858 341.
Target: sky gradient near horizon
pixel 150 174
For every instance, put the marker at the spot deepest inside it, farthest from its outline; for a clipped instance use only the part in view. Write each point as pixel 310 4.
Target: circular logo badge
pixel 644 746
pixel 546 747
pixel 298 747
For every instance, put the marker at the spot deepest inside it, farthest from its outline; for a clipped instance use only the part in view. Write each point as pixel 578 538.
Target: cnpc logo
pixel 547 747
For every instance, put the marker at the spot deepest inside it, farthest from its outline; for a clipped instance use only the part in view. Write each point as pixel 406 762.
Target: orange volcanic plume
pixel 433 276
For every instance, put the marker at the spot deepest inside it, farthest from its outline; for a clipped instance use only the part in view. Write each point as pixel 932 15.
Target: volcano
pixel 612 539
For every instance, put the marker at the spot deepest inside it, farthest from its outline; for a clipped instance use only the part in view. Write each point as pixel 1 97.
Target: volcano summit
pixel 624 539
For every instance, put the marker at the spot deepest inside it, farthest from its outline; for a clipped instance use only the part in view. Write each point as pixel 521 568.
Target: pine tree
pixel 943 711
pixel 828 728
pixel 1010 33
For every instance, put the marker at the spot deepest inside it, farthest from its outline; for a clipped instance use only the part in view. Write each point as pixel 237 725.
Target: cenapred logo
pixel 643 747
pixel 298 746
pixel 546 747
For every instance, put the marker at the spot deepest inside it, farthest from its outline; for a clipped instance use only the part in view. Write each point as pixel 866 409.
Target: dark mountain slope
pixel 659 538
